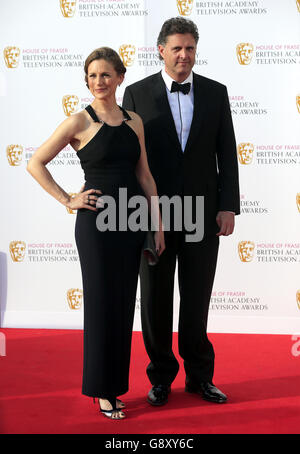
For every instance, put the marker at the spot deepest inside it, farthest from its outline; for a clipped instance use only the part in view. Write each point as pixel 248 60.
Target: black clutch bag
pixel 149 249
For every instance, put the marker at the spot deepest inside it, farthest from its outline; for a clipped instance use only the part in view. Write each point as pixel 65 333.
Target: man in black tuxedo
pixel 191 151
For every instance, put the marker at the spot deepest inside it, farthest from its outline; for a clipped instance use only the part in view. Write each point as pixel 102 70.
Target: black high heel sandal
pixel 113 413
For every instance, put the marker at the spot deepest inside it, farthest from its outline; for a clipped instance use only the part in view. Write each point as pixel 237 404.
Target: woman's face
pixel 103 79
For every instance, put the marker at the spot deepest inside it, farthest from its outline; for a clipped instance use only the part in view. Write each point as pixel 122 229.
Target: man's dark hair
pixel 176 25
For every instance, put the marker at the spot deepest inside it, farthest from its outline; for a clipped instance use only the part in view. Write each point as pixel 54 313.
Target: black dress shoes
pixel 158 395
pixel 207 391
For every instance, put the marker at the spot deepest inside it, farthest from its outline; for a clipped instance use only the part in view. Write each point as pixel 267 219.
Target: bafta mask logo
pixel 298 201
pixel 244 52
pixel 17 250
pixel 67 7
pixel 298 5
pixel 127 53
pixel 298 102
pixel 11 56
pixel 69 210
pixel 246 250
pixel 70 104
pixel 14 154
pixel 185 7
pixel 74 297
pixel 245 152
pixel 298 298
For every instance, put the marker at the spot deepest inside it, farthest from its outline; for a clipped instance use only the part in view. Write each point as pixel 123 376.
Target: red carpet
pixel 40 386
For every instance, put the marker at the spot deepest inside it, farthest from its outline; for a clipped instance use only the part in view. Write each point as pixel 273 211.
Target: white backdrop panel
pixel 43 48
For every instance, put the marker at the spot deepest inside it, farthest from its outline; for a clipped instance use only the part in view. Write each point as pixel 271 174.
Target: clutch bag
pixel 149 249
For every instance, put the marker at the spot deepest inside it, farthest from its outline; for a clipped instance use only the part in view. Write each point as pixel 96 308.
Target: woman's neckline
pixel 97 119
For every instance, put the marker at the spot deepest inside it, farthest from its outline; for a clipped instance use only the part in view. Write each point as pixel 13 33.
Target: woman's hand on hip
pixel 84 199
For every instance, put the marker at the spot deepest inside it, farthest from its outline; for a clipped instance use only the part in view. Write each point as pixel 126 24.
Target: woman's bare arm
pixel 61 137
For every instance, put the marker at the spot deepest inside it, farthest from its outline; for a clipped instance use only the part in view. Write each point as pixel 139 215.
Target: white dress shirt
pixel 182 107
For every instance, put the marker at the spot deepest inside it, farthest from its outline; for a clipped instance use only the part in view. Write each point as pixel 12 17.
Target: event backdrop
pixel 252 47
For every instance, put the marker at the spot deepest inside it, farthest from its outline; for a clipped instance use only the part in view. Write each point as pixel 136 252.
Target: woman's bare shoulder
pixel 77 122
pixel 79 118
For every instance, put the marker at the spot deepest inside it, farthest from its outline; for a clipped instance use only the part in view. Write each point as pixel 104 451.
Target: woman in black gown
pixel 110 145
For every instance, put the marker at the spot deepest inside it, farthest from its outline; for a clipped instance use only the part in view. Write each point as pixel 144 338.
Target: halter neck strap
pixel 126 114
pixel 92 113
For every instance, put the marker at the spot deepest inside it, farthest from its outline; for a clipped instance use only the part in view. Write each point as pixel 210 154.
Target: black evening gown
pixel 109 261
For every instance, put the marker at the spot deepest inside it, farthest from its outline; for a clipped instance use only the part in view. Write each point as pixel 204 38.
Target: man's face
pixel 179 55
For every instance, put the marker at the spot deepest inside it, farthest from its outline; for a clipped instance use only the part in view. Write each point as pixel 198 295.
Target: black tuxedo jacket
pixel 208 166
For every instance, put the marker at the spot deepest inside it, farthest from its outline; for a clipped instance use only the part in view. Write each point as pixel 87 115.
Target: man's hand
pixel 225 220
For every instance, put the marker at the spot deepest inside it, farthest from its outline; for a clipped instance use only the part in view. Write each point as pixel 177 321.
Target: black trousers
pixel 196 271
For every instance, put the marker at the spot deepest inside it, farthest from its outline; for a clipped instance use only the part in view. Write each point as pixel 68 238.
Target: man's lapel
pixel 199 111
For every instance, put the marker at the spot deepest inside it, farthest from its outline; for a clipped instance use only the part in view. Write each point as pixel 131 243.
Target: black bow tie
pixel 184 88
